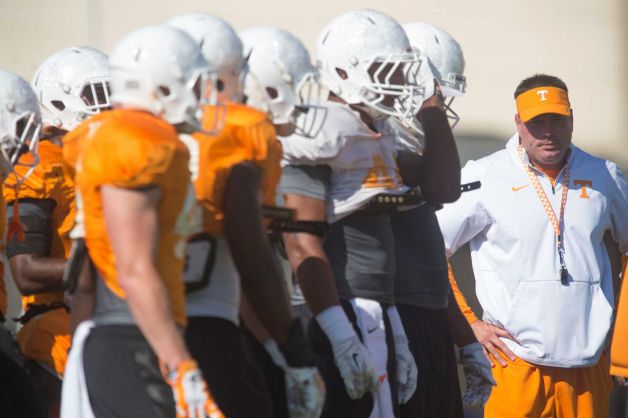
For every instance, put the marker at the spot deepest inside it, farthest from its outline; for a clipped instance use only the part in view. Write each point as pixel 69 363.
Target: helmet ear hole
pixel 165 91
pixel 58 104
pixel 342 73
pixel 272 92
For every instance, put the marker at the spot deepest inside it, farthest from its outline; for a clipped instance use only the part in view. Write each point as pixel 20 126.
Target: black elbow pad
pixel 36 216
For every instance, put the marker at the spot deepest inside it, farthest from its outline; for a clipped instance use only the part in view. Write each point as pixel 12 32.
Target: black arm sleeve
pixel 36 216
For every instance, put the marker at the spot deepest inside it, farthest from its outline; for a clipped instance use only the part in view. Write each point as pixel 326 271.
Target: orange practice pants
pixel 46 339
pixel 527 390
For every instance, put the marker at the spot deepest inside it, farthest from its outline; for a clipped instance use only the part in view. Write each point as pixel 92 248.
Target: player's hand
pixel 305 390
pixel 406 369
pixel 489 336
pixel 356 367
pixel 478 374
pixel 350 355
pixel 190 391
pixel 434 100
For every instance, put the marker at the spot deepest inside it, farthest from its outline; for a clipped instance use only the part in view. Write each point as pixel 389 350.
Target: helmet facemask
pixel 96 97
pixel 185 104
pixel 453 85
pixel 22 138
pixel 309 115
pixel 297 105
pixel 387 85
pixel 211 111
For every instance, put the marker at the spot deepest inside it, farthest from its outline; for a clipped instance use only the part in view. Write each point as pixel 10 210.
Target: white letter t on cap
pixel 542 94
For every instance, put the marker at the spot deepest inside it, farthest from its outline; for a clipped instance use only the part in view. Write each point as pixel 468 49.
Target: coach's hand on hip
pixel 489 336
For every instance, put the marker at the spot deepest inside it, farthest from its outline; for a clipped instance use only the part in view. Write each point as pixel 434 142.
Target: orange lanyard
pixel 555 221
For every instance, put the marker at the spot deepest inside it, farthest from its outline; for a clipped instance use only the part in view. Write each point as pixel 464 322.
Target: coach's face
pixel 546 138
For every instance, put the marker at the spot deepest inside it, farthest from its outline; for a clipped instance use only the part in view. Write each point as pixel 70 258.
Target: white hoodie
pixel 515 261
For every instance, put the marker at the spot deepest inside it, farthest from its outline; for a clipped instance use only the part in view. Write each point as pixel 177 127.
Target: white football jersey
pixel 363 162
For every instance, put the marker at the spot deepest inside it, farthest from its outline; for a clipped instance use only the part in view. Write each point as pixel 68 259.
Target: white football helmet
pixel 160 69
pixel 446 60
pixel 366 59
pixel 281 79
pixel 72 85
pixel 20 123
pixel 221 48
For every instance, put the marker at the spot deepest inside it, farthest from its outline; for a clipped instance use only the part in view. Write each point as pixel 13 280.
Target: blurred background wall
pixel 582 41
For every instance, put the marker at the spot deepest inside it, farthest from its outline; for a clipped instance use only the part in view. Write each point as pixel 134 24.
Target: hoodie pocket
pixel 553 322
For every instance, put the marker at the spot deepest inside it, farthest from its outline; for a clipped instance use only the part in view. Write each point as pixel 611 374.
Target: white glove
pixel 406 369
pixel 350 355
pixel 478 374
pixel 305 390
pixel 191 396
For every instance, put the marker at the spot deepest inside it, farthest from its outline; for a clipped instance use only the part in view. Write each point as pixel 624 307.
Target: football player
pixel 20 125
pixel 70 85
pixel 282 82
pixel 347 175
pixel 429 161
pixel 138 210
pixel 235 172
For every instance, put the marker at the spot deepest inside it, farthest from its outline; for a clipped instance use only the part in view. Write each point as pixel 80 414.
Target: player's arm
pixel 305 190
pixel 250 248
pixel 307 256
pixel 82 300
pixel 132 227
pixel 32 269
pixel 439 170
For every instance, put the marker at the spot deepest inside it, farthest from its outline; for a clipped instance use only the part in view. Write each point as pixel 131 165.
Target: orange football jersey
pixel 45 338
pixel 134 149
pixel 49 180
pixel 248 135
pixel 73 145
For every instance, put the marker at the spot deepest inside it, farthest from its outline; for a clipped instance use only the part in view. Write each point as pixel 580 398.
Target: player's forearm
pixel 250 249
pixel 252 323
pixel 262 282
pixel 36 274
pixel 149 305
pixel 82 300
pixel 440 167
pixel 308 261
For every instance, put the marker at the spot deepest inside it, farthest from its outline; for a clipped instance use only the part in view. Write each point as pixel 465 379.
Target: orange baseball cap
pixel 541 100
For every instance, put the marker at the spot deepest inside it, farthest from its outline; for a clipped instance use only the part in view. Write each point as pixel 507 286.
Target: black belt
pixel 283 220
pixel 36 309
pixel 385 202
pixel 467 187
